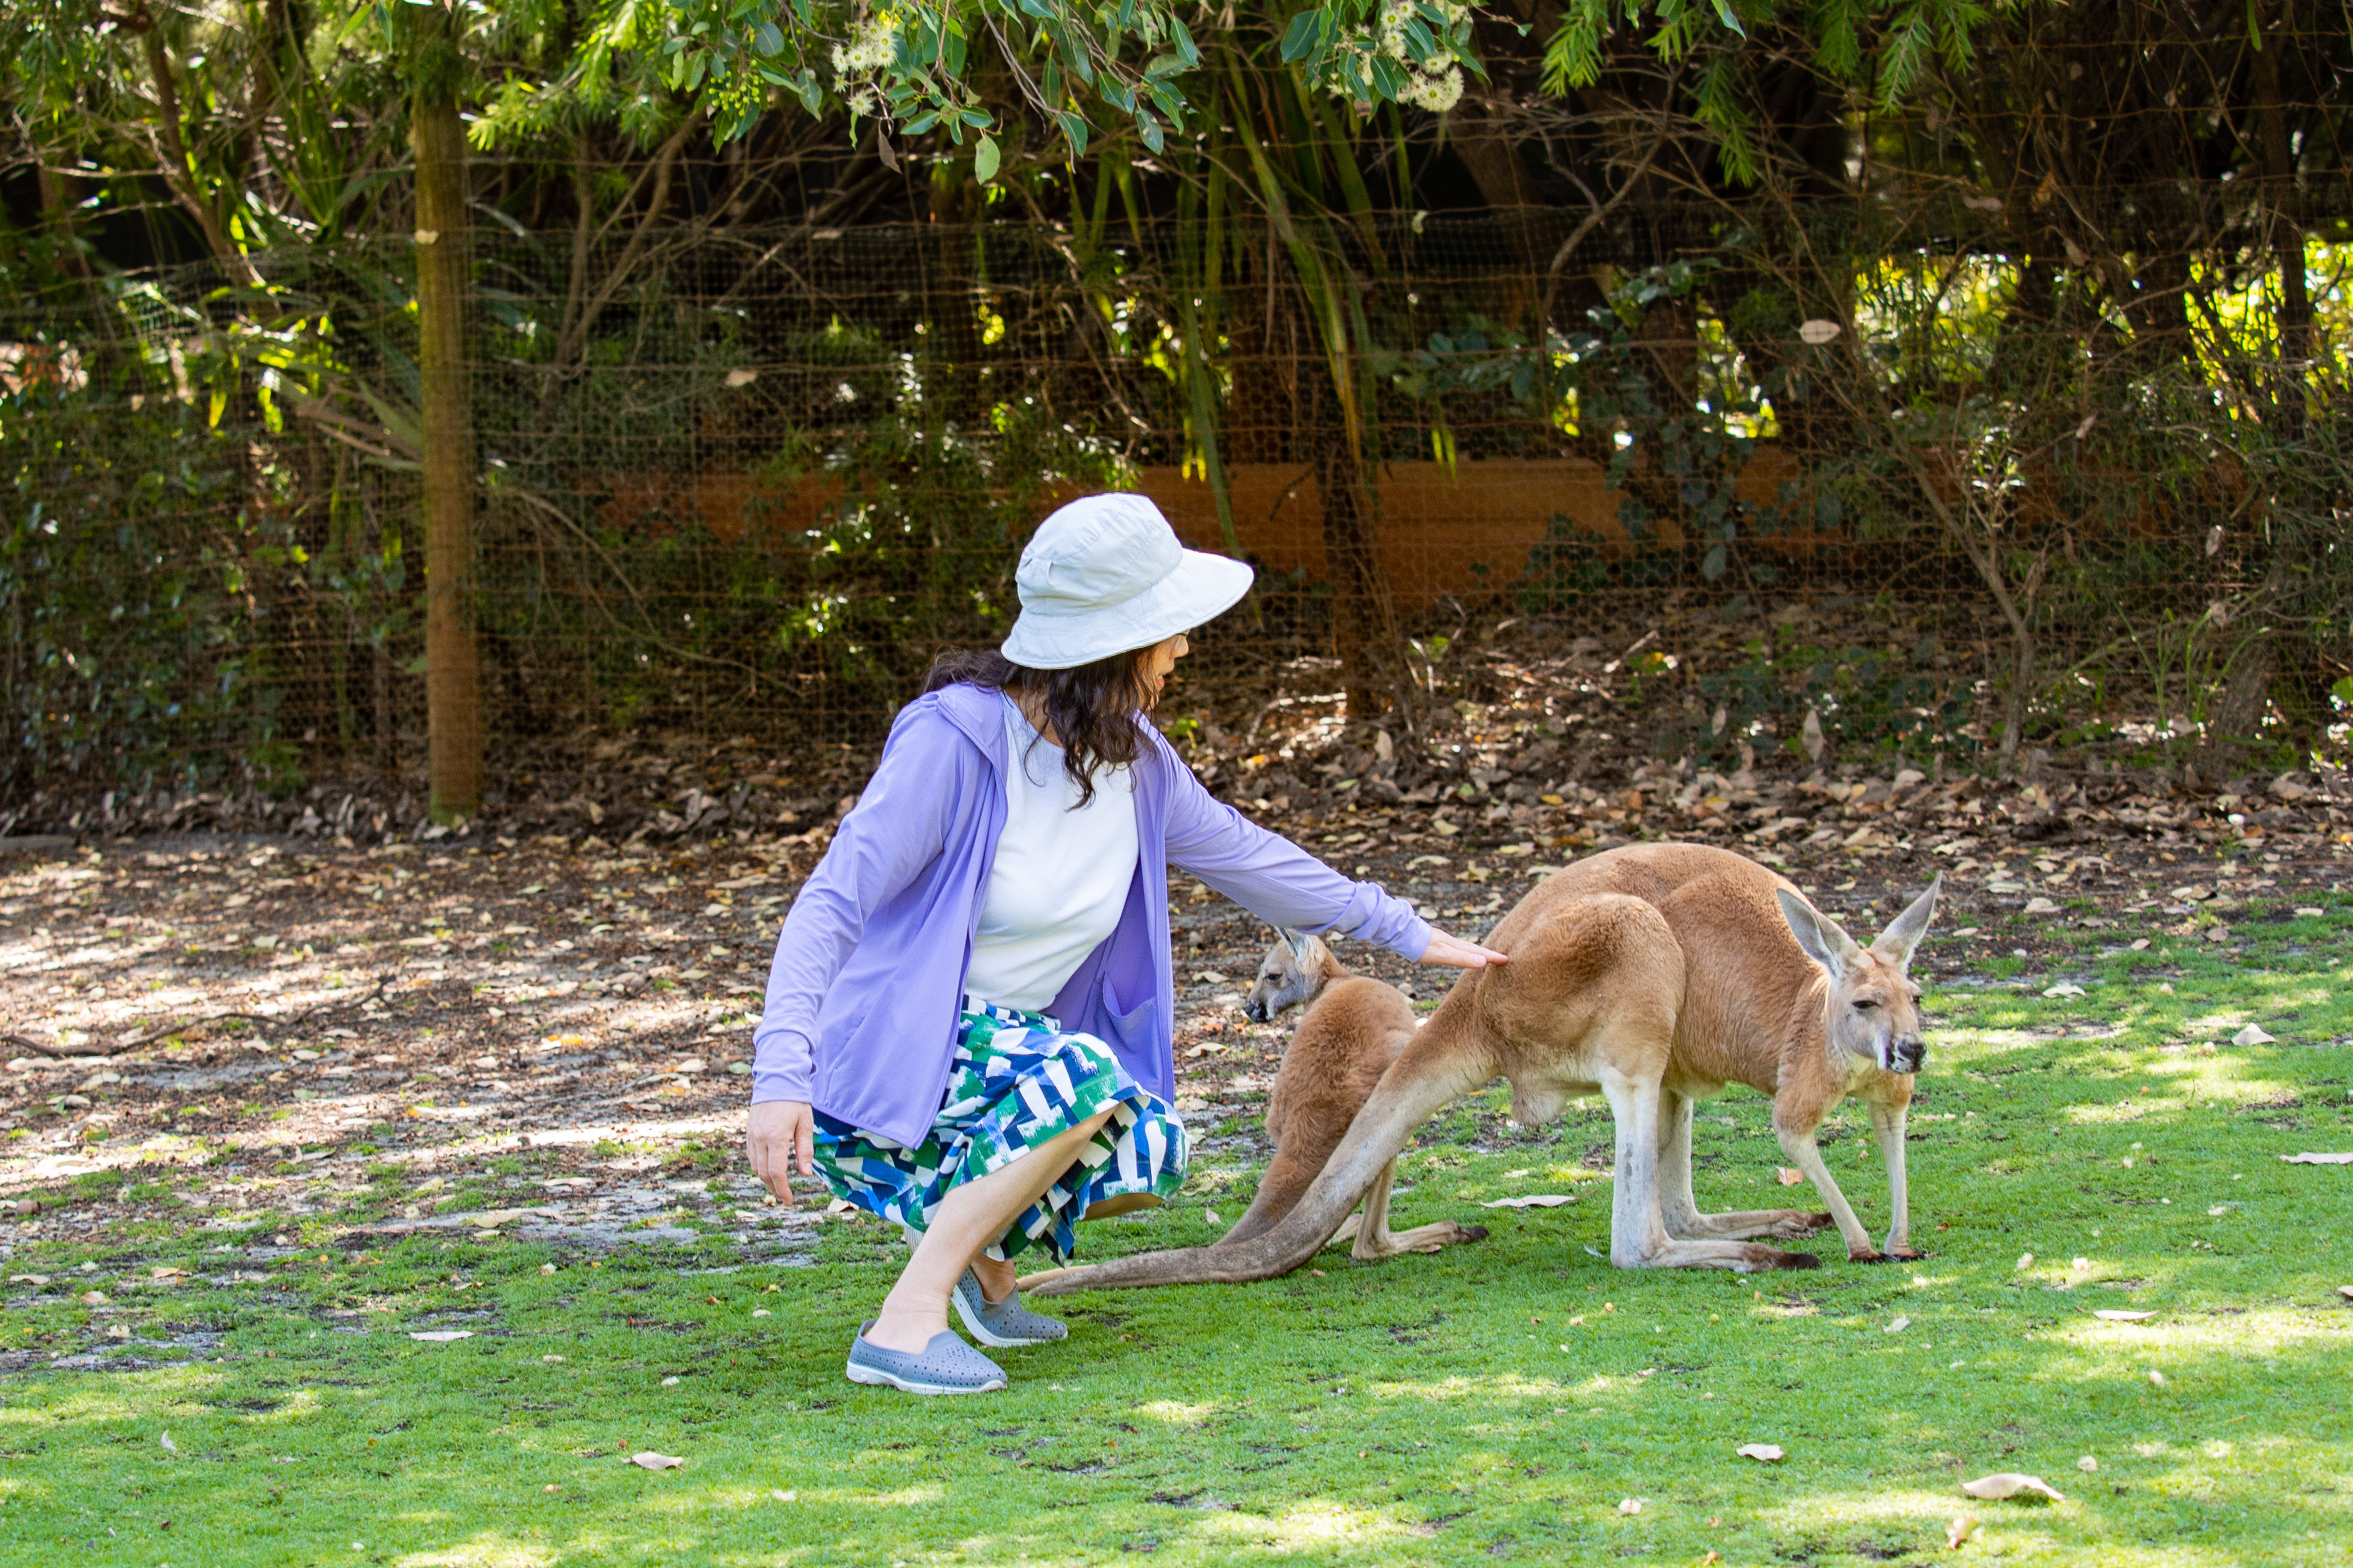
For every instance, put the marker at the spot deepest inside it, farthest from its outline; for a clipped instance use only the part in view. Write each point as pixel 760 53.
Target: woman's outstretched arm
pixel 1282 884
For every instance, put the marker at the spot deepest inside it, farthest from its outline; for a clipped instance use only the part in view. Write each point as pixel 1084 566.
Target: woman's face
pixel 1153 665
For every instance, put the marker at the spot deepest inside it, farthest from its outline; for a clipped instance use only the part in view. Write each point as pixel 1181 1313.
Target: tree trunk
pixel 2236 719
pixel 1262 410
pixel 453 681
pixel 1364 625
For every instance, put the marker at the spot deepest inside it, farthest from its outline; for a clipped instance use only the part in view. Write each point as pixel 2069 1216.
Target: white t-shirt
pixel 1060 876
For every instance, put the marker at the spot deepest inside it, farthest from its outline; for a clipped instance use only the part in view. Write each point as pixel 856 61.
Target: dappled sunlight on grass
pixel 904 1497
pixel 2257 1333
pixel 490 1548
pixel 1452 1390
pixel 1178 1413
pixel 1310 1523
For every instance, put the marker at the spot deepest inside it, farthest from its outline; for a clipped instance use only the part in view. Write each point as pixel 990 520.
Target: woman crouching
pixel 969 1023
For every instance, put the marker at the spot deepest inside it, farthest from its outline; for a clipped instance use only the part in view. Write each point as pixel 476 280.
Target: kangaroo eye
pixel 1865 1005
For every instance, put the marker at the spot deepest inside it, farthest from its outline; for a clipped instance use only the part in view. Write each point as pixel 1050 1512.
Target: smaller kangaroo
pixel 1353 1029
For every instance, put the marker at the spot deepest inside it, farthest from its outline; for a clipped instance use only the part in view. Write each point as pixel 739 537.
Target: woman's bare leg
pixel 969 1219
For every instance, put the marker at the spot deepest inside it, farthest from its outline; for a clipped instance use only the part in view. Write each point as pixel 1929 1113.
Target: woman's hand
pixel 779 1129
pixel 1453 952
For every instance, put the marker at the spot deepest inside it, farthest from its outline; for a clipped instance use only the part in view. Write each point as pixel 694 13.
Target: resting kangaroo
pixel 1353 1029
pixel 1658 975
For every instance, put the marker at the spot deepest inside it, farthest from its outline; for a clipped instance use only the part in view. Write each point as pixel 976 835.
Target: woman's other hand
pixel 1453 952
pixel 780 1130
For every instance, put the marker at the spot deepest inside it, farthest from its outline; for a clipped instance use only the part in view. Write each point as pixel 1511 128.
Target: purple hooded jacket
pixel 870 968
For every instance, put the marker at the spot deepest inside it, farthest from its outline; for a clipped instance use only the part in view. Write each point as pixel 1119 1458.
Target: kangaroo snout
pixel 1258 1012
pixel 1906 1055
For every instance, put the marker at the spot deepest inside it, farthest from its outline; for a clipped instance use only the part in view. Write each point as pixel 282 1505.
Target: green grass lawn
pixel 1505 1400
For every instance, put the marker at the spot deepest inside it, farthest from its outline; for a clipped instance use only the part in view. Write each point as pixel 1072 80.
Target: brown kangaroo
pixel 1657 974
pixel 1353 1029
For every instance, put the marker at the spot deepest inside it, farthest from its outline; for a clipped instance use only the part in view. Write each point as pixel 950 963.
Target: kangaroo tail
pixel 1428 1076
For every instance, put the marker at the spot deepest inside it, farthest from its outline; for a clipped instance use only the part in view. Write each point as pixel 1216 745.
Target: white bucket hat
pixel 1106 576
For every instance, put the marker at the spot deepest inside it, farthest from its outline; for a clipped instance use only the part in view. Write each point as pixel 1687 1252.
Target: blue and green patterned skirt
pixel 1018 1081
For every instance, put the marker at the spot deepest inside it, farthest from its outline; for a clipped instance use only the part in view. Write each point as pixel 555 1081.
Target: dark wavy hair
pixel 1095 709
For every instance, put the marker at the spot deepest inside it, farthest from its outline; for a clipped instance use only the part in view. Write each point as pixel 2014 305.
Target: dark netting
pixel 737 487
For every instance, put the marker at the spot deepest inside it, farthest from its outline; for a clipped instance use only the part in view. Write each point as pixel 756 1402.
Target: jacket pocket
pixel 1133 1024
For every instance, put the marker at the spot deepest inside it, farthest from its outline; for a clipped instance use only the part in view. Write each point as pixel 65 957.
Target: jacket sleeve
pixel 1274 878
pixel 898 827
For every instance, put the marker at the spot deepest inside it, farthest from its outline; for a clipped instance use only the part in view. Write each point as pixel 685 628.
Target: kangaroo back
pixel 1343 1044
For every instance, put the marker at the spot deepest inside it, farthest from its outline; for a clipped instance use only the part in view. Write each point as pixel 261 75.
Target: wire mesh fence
pixel 1806 479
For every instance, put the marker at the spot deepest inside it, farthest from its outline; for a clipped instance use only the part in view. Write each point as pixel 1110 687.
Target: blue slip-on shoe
pixel 946 1365
pixel 1002 1325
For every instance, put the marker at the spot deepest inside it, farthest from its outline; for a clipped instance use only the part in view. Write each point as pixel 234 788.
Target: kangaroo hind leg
pixel 1375 1240
pixel 1681 1210
pixel 1638 1236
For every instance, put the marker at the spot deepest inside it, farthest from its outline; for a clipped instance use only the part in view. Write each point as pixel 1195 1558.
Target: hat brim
pixel 1202 587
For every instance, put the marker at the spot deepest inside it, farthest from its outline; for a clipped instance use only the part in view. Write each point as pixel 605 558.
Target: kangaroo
pixel 1353 1029
pixel 1657 974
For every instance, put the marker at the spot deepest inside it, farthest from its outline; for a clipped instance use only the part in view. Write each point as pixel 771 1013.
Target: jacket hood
pixel 975 712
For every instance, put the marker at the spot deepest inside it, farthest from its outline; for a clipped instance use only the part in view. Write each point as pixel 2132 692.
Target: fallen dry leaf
pixel 1210 1215
pixel 442 1336
pixel 2118 1315
pixel 1898 1324
pixel 2156 1377
pixel 2064 988
pixel 36 1281
pixel 1631 1505
pixel 2319 1159
pixel 169 1447
pixel 2253 1035
pixel 1790 1178
pixel 1763 1453
pixel 2009 1484
pixel 649 1461
pixel 2088 1464
pixel 1960 1530
pixel 1532 1200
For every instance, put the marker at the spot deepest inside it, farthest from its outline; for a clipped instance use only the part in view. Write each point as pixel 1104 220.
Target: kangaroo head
pixel 1875 1007
pixel 1293 974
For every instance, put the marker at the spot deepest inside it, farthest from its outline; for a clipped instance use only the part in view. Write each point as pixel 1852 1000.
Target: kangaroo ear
pixel 1819 934
pixel 1904 932
pixel 1296 941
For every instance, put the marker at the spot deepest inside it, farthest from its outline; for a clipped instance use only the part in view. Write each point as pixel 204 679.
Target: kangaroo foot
pixel 1905 1255
pixel 1431 1237
pixel 1798 1222
pixel 1748 1225
pixel 1867 1254
pixel 1420 1238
